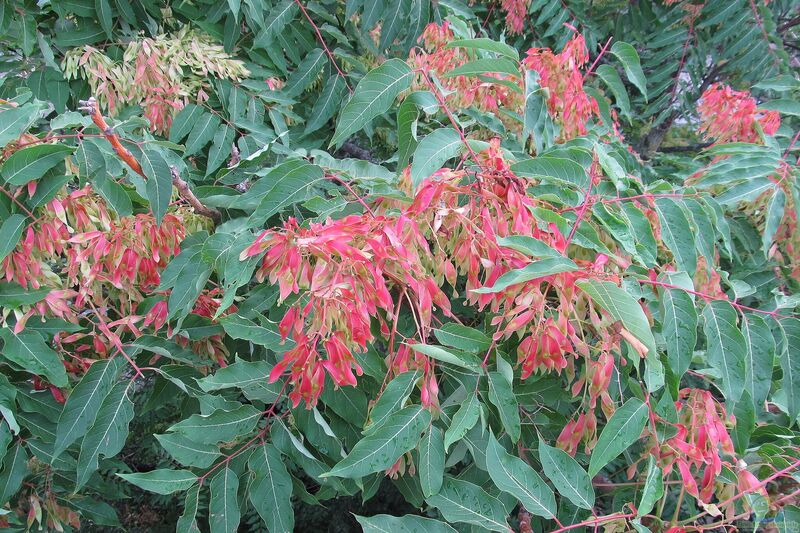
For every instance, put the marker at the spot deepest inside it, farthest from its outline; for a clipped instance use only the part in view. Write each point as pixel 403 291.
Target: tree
pixel 534 263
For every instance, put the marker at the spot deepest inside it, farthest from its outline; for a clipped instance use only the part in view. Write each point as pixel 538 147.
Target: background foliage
pixel 518 264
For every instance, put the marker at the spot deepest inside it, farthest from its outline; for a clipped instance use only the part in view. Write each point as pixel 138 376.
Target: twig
pixel 188 195
pixel 324 46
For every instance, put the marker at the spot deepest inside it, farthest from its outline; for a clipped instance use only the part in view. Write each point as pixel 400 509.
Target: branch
pixel 91 107
pixel 352 149
pixel 187 194
pixel 688 148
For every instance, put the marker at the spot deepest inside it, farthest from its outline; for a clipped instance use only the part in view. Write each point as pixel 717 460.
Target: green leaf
pixel 462 359
pixel 159 182
pixel 188 452
pixel 462 337
pixel 250 376
pixel 84 403
pixel 108 433
pixel 569 478
pixel 290 187
pixel 558 170
pixel 219 426
pixel 431 461
pixel 187 523
pixel 372 97
pixel 489 45
pixel 534 271
pixel 609 75
pixel 105 16
pixel 31 163
pixel 622 430
pixel 10 233
pixel 537 122
pixel 28 350
pixel 220 148
pixel 277 19
pixel 679 329
pixel 433 151
pixel 184 121
pixel 379 450
pixel 15 121
pixel 392 399
pixel 381 523
pixel 223 508
pixel 677 234
pixel 15 467
pixel 239 327
pixel 529 246
pixel 784 106
pixel 327 104
pixel 759 358
pixel 464 419
pixel 630 61
pixel 653 488
pixel 483 66
pixel 726 349
pixel 514 476
pixel 271 489
pixel 162 481
pixel 394 20
pixel 790 364
pixel 461 501
pixel 13 295
pixel 307 71
pixel 773 218
pixel 113 193
pixel 202 132
pixel 623 307
pixel 502 396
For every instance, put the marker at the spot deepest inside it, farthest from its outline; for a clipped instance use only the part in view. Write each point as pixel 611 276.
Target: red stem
pixel 597 59
pixel 324 46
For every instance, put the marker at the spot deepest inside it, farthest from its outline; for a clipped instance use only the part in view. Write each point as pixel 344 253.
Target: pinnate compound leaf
pixel 162 481
pixel 381 449
pixel 514 476
pixel 726 348
pixel 372 97
pixel 271 489
pixel 569 478
pixel 623 429
pixel 461 501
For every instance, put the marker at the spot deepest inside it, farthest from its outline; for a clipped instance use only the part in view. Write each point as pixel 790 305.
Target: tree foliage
pixel 535 263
